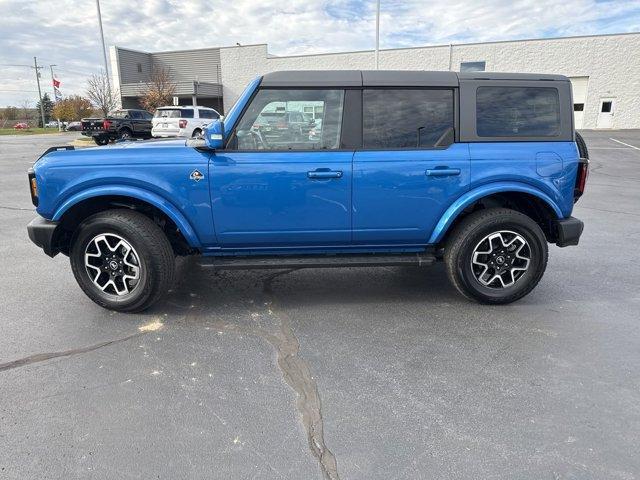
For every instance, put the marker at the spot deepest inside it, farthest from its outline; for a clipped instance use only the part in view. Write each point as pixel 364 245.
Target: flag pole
pixel 377 34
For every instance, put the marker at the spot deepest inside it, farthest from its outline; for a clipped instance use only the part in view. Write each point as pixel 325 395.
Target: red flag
pixel 56 83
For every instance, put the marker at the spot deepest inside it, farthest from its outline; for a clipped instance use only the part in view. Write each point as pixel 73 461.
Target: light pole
pixel 377 34
pixel 104 49
pixel 36 67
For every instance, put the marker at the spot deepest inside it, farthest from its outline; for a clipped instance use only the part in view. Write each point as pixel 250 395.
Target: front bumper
pixel 42 232
pixel 568 231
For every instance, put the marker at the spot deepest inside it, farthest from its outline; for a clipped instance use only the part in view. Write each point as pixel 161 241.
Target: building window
pixel 139 68
pixel 517 112
pixel 472 66
pixel 606 107
pixel 578 107
pixel 417 119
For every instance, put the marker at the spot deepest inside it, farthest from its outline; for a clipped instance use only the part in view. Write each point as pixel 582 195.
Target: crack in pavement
pixel 43 357
pixel 19 209
pixel 297 374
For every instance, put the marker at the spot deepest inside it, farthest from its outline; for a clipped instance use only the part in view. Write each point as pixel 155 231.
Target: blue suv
pixel 480 170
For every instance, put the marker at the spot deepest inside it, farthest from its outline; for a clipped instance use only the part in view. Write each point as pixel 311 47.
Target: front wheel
pixel 496 256
pixel 122 260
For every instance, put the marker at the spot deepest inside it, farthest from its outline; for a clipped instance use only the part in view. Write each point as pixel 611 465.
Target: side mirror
pixel 214 135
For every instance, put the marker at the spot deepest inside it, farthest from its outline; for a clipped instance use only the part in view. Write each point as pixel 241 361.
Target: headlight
pixel 33 186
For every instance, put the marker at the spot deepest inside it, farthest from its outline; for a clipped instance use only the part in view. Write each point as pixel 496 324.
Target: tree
pixel 100 94
pixel 8 114
pixel 72 108
pixel 159 90
pixel 47 106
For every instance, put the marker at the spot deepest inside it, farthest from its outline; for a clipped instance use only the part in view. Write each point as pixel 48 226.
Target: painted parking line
pixel 625 144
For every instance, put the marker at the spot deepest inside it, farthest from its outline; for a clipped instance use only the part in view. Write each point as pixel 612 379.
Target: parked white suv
pixel 182 121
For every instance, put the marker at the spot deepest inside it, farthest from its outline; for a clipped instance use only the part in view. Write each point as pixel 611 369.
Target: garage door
pixel 579 85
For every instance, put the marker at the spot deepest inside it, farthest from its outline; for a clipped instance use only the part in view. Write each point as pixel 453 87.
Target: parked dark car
pixel 120 125
pixel 74 127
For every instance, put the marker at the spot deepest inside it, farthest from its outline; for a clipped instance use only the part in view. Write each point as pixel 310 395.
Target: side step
pixel 316 261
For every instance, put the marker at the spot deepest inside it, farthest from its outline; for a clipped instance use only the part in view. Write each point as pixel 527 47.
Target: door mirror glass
pixel 214 135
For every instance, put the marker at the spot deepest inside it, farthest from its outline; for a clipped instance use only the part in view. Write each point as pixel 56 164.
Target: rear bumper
pixel 568 231
pixel 42 233
pixel 168 132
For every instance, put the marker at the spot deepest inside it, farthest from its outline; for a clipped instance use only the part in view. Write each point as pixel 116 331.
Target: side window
pixel 135 115
pixel 187 113
pixel 403 118
pixel 274 120
pixel 207 113
pixel 517 112
pixel 472 66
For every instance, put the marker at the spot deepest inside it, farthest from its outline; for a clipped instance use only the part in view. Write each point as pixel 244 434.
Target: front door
pixel 605 115
pixel 277 187
pixel 409 170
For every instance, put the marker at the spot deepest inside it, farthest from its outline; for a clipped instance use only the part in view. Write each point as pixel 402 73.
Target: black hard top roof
pixel 388 78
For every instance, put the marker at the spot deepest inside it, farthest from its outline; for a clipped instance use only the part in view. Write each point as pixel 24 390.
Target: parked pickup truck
pixel 479 170
pixel 119 125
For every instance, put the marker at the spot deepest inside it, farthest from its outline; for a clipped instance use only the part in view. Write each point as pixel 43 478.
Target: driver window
pixel 278 120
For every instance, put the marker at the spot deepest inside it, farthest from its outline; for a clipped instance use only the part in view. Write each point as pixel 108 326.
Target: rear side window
pixel 403 118
pixel 517 112
pixel 207 114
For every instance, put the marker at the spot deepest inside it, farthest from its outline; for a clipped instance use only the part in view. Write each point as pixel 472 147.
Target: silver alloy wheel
pixel 500 259
pixel 112 264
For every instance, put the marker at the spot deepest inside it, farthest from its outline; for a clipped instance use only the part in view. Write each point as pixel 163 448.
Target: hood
pixel 159 142
pixel 117 153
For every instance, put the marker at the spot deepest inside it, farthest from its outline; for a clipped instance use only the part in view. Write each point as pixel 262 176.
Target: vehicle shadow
pixel 213 292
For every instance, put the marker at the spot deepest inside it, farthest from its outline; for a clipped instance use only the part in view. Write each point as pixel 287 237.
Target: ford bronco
pixel 479 170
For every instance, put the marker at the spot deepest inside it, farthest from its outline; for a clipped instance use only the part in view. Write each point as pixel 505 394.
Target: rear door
pixel 410 169
pixel 271 190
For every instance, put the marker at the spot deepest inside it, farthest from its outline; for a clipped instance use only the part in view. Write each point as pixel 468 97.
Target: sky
pixel 65 32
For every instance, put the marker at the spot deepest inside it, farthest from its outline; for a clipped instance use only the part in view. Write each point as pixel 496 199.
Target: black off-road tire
pixel 471 231
pixel 125 134
pixel 582 146
pixel 101 141
pixel 156 258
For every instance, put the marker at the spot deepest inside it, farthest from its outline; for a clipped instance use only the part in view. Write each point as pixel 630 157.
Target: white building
pixel 604 69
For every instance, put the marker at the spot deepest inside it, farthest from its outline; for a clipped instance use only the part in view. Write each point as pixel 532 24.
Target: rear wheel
pixel 101 140
pixel 124 134
pixel 196 133
pixel 496 256
pixel 122 260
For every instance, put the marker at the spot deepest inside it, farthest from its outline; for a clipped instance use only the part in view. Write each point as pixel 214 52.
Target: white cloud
pixel 65 32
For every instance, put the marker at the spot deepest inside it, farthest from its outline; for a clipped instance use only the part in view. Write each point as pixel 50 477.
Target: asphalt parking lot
pixel 382 373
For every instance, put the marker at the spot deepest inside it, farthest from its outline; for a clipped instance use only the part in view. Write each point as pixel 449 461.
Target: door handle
pixel 323 174
pixel 442 172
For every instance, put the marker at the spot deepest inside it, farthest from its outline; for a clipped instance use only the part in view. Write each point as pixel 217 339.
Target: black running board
pixel 317 261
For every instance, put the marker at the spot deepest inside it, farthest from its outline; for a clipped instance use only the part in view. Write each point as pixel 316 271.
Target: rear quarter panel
pixel 549 167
